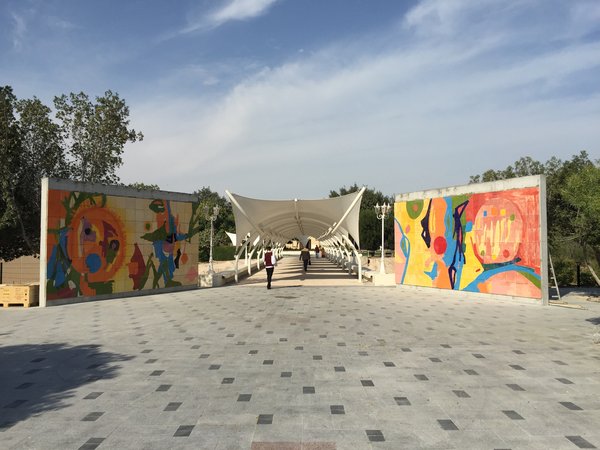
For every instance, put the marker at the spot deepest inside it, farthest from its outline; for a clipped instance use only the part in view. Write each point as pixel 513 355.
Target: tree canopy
pixel 83 142
pixel 369 224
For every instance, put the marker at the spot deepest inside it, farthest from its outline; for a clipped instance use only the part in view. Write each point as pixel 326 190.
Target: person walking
pixel 317 251
pixel 270 262
pixel 305 257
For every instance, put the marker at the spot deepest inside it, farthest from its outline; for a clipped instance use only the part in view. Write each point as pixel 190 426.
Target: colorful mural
pixel 487 242
pixel 104 244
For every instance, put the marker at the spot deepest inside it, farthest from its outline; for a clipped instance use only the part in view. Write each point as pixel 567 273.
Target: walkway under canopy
pixel 332 221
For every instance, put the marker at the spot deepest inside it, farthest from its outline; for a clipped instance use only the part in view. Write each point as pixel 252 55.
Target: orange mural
pixel 100 244
pixel 488 242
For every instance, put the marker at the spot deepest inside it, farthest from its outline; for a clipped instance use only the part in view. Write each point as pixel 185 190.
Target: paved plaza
pixel 318 362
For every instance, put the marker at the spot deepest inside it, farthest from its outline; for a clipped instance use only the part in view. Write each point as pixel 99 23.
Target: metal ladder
pixel 553 276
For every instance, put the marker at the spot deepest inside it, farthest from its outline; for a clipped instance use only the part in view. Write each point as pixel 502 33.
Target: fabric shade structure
pixel 279 221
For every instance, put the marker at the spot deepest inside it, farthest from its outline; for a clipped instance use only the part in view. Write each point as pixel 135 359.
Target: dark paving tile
pixel 375 435
pixel 446 345
pixel 337 409
pixel 421 377
pixel 389 364
pixel 268 362
pixel 286 374
pixel 157 373
pixel 478 355
pixel 339 369
pixel 461 394
pixel 436 360
pixel 471 372
pixel 172 406
pixel 93 416
pixel 204 355
pixel 151 361
pixel 265 419
pixel 24 385
pixel 515 387
pixel 447 424
pixel 244 397
pixel 92 395
pixel 518 352
pixel 367 382
pixel 513 415
pixel 517 367
pixel 227 380
pixel 214 367
pixel 363 353
pixel 163 388
pixel 571 406
pixel 580 442
pixel 253 352
pixel 92 444
pixel 402 401
pixel 317 357
pixel 299 347
pixel 37 360
pixel 308 389
pixel 565 380
pixel 560 363
pixel 148 350
pixel 184 431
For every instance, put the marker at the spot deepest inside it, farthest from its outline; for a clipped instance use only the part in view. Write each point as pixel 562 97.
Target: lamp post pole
pixel 381 211
pixel 211 217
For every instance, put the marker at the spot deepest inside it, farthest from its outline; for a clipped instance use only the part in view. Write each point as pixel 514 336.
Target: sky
pixel 280 99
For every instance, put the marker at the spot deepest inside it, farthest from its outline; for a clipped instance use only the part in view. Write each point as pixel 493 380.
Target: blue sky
pixel 292 98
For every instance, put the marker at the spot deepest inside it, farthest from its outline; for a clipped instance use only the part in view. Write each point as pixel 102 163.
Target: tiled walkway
pixel 300 367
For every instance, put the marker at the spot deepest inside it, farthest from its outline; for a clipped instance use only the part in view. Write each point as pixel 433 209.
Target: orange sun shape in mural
pixel 96 243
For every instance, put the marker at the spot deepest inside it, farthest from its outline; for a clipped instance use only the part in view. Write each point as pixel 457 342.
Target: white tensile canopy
pixel 279 221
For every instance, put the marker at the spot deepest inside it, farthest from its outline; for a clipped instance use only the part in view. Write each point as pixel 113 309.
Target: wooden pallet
pixel 25 295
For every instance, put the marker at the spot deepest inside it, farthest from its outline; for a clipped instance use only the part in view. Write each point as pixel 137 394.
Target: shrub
pixel 565 270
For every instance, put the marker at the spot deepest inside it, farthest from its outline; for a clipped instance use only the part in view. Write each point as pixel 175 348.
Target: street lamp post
pixel 381 211
pixel 211 217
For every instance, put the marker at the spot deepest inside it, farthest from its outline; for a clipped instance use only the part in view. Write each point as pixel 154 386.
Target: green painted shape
pixel 414 208
pixel 157 235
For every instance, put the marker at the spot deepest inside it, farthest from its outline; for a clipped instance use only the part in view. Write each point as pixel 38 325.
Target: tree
pixel 95 134
pixel 369 225
pixel 33 146
pixel 224 222
pixel 144 187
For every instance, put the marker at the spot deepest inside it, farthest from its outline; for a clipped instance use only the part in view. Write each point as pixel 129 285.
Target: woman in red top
pixel 270 261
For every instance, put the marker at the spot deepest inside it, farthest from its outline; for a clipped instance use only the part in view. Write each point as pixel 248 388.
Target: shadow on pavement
pixel 37 378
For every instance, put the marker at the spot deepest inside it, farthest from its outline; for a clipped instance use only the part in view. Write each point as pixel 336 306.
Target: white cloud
pixel 423 114
pixel 19 30
pixel 231 11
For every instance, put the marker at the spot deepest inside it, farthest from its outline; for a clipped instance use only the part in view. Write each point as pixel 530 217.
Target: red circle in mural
pixel 439 245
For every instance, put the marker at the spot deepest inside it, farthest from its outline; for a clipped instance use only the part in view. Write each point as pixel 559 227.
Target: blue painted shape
pixel 433 273
pixel 469 226
pixel 93 262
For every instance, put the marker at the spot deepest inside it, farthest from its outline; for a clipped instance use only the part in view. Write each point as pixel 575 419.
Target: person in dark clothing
pixel 270 262
pixel 317 251
pixel 305 257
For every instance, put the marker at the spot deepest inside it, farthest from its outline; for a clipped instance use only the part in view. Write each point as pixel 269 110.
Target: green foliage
pixel 95 134
pixel 565 271
pixel 224 253
pixel 85 142
pixel 144 187
pixel 224 221
pixel 369 224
